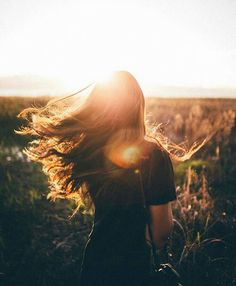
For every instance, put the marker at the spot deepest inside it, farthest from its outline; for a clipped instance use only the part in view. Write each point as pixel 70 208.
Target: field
pixel 40 245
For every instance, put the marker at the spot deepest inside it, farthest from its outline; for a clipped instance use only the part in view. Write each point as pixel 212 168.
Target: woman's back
pixel 117 243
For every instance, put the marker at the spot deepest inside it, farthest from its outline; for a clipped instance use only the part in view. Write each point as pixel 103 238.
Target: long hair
pixel 70 136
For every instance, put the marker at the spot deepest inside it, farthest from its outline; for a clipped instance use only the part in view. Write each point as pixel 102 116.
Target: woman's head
pixel 112 106
pixel 70 136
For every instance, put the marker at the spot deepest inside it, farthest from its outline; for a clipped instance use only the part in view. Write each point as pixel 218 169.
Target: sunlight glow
pixel 104 77
pixel 148 38
pixel 73 81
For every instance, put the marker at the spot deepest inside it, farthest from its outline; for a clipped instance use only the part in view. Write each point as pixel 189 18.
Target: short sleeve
pixel 160 187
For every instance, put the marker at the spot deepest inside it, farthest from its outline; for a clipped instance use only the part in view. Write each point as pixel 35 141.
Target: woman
pixel 98 152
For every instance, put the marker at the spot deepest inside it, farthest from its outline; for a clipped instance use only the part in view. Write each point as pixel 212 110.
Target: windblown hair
pixel 69 136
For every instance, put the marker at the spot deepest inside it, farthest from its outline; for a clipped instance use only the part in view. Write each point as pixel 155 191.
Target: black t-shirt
pixel 118 238
pixel 121 194
pixel 160 184
pixel 153 178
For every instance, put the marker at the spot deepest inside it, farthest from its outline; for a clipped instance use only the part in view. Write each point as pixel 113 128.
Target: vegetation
pixel 40 245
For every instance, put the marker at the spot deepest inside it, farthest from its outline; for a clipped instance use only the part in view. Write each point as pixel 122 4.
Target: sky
pixel 185 43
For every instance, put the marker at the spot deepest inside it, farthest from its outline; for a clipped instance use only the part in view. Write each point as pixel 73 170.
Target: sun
pixel 104 77
pixel 75 81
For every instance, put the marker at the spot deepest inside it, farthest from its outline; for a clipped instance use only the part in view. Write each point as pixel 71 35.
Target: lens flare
pixel 131 155
pixel 125 149
pixel 127 156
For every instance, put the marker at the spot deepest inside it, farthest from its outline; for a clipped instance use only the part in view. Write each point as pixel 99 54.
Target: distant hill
pixel 178 91
pixel 30 85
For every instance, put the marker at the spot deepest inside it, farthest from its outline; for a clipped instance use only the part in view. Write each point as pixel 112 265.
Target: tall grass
pixel 40 245
pixel 203 236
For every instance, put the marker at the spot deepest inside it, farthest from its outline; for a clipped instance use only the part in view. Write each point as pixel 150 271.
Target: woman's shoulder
pixel 154 148
pixel 156 156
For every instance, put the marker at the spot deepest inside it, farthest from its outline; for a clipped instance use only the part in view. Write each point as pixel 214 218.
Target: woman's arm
pixel 161 223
